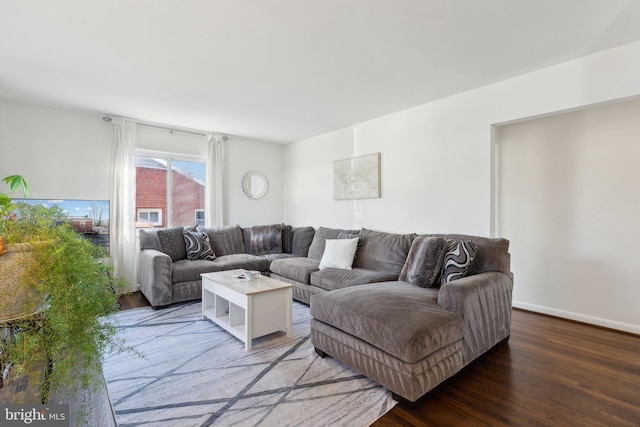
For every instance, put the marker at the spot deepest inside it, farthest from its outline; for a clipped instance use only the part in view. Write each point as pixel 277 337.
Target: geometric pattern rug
pixel 191 372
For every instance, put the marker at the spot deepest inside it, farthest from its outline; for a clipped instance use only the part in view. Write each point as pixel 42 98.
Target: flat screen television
pixel 90 218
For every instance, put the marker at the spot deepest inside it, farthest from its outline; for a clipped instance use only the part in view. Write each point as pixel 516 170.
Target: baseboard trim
pixel 578 317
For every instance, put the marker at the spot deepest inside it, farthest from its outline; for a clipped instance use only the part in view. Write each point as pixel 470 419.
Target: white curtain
pixel 214 208
pixel 122 190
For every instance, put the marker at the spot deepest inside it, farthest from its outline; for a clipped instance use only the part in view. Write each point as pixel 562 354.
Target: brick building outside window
pixel 186 193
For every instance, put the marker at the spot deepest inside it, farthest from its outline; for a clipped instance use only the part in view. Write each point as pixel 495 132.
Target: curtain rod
pixel 170 129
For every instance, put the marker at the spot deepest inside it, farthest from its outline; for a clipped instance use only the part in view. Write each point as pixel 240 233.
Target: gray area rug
pixel 193 373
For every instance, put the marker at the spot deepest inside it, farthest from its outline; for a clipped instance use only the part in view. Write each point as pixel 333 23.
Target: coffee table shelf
pixel 246 309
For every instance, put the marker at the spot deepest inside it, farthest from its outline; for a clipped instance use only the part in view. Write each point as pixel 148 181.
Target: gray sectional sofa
pixel 166 275
pixel 409 312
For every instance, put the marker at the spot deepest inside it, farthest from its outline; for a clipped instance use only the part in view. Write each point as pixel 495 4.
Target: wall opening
pixel 566 194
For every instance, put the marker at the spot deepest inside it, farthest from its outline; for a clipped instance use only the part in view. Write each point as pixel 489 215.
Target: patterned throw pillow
pixel 287 239
pixel 457 259
pixel 172 243
pixel 344 235
pixel 198 245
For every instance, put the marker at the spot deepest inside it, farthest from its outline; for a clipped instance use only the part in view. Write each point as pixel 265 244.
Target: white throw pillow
pixel 338 253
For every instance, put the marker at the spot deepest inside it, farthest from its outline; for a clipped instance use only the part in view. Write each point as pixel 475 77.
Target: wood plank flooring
pixel 133 300
pixel 552 372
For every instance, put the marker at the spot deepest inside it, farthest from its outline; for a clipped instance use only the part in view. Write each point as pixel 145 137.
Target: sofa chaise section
pixel 410 338
pixel 391 334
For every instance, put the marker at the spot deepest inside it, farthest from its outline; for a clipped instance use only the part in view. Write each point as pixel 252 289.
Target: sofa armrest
pixel 154 276
pixel 484 302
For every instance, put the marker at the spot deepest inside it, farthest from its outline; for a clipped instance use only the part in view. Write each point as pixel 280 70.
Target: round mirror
pixel 255 185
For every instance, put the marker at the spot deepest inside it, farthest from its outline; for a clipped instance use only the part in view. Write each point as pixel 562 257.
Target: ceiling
pixel 286 70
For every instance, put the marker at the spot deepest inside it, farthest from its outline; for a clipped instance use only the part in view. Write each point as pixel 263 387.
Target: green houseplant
pixel 72 292
pixel 14 182
pixel 16 251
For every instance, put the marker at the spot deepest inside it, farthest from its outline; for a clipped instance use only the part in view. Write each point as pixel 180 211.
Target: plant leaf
pixel 5 200
pixel 17 181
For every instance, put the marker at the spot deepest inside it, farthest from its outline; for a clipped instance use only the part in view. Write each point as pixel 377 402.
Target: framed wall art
pixel 357 177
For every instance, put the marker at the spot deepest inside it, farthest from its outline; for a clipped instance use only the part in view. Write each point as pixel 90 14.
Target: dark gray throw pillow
pixel 172 243
pixel 424 262
pixel 198 245
pixel 457 259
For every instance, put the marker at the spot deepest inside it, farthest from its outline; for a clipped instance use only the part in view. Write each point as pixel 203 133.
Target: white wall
pixel 246 155
pixel 165 141
pixel 567 198
pixel 437 158
pixel 66 154
pixel 62 154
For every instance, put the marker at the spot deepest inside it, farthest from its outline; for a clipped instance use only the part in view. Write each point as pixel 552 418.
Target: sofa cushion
pixel 301 240
pixel 190 270
pixel 297 268
pixel 333 278
pixel 316 250
pixel 383 251
pixel 271 257
pixel 338 253
pixel 266 239
pixel 457 259
pixel 149 240
pixel 352 236
pixel 245 261
pixel 198 246
pixel 396 317
pixel 424 262
pixel 226 241
pixel 172 243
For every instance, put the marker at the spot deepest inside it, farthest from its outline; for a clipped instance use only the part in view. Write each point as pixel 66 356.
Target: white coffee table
pixel 246 309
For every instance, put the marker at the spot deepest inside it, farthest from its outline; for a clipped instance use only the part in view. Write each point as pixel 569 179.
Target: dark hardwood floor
pixel 133 300
pixel 552 372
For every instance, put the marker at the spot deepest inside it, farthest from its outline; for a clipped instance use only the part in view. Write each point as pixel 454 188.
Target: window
pixel 169 190
pixel 200 217
pixel 150 216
